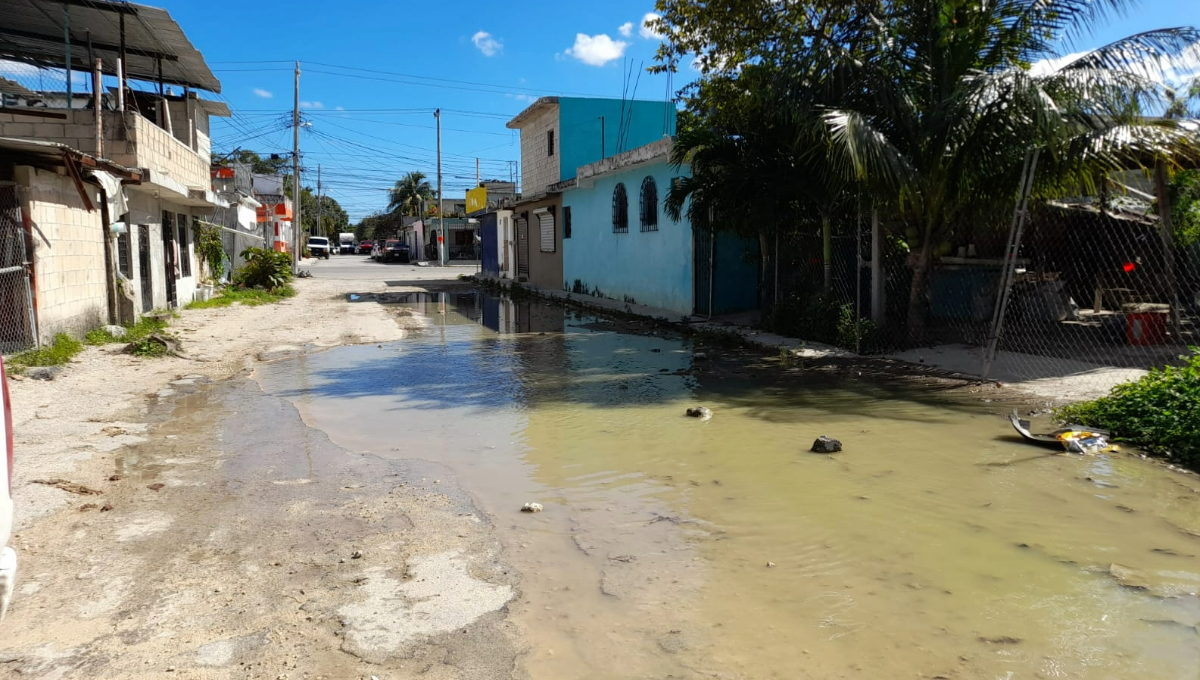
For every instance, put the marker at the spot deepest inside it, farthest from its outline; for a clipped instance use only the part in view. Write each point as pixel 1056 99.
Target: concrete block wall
pixel 70 275
pixel 129 139
pixel 537 169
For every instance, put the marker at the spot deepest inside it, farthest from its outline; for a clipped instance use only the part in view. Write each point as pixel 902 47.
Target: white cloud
pixel 485 43
pixel 647 32
pixel 265 94
pixel 626 29
pixel 339 108
pixel 596 50
pixel 529 98
pixel 311 105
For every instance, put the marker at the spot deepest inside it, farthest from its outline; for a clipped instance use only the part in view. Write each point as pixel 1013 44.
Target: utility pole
pixel 441 220
pixel 320 211
pixel 476 172
pixel 296 173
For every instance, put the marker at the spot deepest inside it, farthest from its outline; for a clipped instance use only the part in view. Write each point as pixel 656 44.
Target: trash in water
pixel 1072 438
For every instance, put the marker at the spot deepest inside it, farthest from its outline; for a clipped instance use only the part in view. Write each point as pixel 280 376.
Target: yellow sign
pixel 476 200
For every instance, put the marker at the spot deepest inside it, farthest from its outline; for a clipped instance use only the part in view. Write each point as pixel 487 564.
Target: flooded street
pixel 935 545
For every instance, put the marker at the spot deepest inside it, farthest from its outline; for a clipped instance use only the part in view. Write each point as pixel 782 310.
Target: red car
pixel 364 247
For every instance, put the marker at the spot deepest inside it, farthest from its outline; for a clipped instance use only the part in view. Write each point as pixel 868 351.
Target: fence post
pixel 1007 273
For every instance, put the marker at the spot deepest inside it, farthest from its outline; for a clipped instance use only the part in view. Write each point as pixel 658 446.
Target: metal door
pixel 144 268
pixel 522 248
pixel 702 249
pixel 17 320
pixel 168 234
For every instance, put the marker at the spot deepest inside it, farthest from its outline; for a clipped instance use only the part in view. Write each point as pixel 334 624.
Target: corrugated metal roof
pixel 32 31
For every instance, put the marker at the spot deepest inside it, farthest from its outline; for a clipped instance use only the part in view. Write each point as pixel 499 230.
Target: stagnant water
pixel 934 546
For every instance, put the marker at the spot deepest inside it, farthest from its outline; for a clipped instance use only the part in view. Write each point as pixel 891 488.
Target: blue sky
pixel 480 62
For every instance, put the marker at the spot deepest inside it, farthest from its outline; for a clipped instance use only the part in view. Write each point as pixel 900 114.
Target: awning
pixel 32 31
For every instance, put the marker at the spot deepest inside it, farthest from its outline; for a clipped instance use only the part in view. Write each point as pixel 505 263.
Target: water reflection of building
pixel 506 316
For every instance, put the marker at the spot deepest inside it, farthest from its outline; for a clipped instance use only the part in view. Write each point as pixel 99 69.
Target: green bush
pixel 1159 413
pixel 144 326
pixel 250 297
pixel 824 318
pixel 210 249
pixel 56 353
pixel 266 269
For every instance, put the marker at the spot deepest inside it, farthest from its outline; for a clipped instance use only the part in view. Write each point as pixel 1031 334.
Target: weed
pixel 265 269
pixel 1159 413
pixel 58 352
pixel 250 297
pixel 147 348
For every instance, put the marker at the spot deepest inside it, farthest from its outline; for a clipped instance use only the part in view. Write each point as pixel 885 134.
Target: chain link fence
pixel 26 85
pixel 17 321
pixel 1091 299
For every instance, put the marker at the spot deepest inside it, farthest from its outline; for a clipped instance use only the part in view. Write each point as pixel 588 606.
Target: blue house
pixel 619 243
pixel 558 135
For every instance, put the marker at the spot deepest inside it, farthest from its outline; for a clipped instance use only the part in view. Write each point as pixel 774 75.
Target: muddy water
pixel 934 546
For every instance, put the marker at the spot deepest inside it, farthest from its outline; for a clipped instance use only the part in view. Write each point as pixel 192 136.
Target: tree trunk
pixel 827 252
pixel 916 292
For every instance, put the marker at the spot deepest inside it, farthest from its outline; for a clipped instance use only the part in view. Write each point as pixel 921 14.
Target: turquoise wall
pixel 579 128
pixel 654 268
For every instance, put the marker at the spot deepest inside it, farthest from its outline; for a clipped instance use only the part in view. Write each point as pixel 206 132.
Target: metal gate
pixel 522 248
pixel 168 234
pixel 18 329
pixel 702 250
pixel 144 268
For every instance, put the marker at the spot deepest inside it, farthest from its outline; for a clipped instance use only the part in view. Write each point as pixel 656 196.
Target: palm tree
pixel 944 106
pixel 408 193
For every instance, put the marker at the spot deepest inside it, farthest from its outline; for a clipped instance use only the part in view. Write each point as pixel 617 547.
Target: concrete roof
pixel 533 110
pixel 642 155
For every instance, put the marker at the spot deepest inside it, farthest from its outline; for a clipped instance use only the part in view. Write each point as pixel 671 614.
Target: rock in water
pixel 701 412
pixel 531 507
pixel 825 444
pixel 1128 577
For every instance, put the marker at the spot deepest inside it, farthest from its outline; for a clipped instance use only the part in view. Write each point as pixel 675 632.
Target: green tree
pixel 406 196
pixel 334 218
pixel 931 105
pixel 273 164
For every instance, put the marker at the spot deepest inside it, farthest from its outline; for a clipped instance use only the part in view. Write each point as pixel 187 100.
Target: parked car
pixel 319 246
pixel 364 248
pixel 377 250
pixel 396 250
pixel 8 557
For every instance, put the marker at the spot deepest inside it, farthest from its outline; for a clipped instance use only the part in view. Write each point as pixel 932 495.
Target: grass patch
pixel 147 348
pixel 56 353
pixel 250 297
pixel 144 326
pixel 1159 413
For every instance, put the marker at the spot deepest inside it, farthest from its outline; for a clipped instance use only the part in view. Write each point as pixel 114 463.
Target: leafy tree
pixel 930 105
pixel 334 218
pixel 406 196
pixel 274 164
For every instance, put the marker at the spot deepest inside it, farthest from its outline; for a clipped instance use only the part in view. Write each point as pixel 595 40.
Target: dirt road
pixel 226 538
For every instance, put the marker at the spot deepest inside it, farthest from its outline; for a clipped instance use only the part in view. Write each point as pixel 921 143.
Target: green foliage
pixel 144 327
pixel 825 319
pixel 58 352
pixel 1185 207
pixel 210 249
pixel 249 297
pixel 266 269
pixel 408 193
pixel 1159 413
pixel 148 349
pixel 273 164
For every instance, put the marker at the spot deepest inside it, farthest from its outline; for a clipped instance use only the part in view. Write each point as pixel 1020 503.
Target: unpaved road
pixel 230 540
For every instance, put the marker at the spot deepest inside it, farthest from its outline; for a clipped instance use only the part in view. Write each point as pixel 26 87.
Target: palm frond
pixel 861 152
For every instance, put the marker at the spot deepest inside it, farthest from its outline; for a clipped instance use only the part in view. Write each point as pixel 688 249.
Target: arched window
pixel 620 205
pixel 648 204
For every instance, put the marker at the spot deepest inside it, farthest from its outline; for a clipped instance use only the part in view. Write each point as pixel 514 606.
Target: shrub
pixel 1159 413
pixel 266 269
pixel 58 352
pixel 210 249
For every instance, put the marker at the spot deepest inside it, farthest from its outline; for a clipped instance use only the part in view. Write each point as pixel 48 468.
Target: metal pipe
pixel 97 78
pixel 67 49
pixel 120 85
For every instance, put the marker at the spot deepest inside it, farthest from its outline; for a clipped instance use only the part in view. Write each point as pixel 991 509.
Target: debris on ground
pixel 701 412
pixel 825 444
pixel 43 372
pixel 356 555
pixel 531 507
pixel 68 486
pixel 155 486
pixel 88 506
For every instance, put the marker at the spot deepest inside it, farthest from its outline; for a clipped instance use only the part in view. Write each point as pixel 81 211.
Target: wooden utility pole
pixel 296 172
pixel 442 244
pixel 320 230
